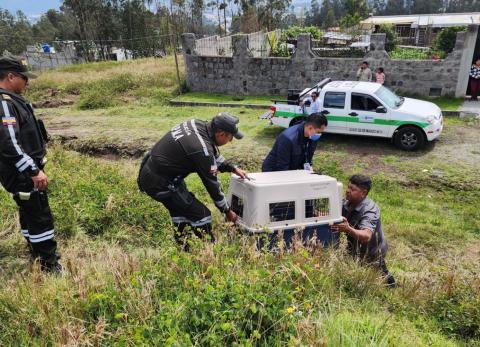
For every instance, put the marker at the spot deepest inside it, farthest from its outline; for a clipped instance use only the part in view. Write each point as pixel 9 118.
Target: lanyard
pixel 306 151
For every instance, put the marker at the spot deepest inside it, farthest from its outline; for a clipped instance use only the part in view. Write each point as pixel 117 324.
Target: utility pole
pixel 173 42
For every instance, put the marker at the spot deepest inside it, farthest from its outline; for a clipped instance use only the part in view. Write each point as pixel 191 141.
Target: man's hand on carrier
pixel 231 216
pixel 342 227
pixel 241 173
pixel 40 181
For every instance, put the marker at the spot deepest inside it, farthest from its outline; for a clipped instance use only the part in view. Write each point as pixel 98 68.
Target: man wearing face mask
pixel 294 147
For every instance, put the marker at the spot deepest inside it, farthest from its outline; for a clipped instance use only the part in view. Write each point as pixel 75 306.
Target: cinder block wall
pixel 242 74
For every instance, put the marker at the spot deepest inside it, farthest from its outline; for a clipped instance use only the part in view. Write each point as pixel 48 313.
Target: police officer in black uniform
pixel 22 159
pixel 191 147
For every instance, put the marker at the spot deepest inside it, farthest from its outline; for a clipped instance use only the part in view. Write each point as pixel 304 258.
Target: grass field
pixel 127 284
pixel 445 103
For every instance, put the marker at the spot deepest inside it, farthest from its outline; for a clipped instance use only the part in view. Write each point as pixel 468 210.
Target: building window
pixel 334 100
pixel 280 211
pixel 317 208
pixel 237 205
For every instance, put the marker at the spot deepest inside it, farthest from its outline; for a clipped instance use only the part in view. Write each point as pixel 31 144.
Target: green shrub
pixel 409 54
pixel 105 93
pixel 278 45
pixel 445 40
pixel 95 99
pixel 294 31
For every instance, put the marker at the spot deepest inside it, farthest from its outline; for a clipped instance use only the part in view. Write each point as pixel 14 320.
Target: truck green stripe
pixel 348 119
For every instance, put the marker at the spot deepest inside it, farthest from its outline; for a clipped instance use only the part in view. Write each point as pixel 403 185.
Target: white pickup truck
pixel 367 109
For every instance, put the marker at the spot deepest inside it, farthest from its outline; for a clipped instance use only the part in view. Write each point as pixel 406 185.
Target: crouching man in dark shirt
pixel 361 223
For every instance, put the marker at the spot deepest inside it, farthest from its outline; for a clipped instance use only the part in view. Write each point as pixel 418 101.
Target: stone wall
pixel 44 61
pixel 246 75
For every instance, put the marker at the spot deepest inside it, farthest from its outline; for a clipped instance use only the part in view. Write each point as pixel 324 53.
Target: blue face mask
pixel 315 137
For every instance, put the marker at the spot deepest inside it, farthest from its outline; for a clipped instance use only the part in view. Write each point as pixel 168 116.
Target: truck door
pixel 334 107
pixel 367 116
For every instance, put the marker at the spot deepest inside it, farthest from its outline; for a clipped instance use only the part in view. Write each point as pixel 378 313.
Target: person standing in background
pixel 475 80
pixel 380 75
pixel 364 74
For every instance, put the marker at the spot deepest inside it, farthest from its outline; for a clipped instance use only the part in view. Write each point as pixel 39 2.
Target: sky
pixel 32 8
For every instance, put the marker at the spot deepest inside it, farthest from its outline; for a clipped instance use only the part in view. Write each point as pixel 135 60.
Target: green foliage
pixel 102 93
pixel 409 54
pixel 106 84
pixel 293 32
pixel 445 40
pixel 458 310
pixel 416 54
pixel 16 32
pixel 355 12
pixel 278 47
pixel 391 39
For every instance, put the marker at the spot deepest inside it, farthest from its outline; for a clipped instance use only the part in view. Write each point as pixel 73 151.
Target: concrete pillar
pixel 377 47
pixel 464 50
pixel 241 59
pixel 303 47
pixel 188 43
pixel 302 64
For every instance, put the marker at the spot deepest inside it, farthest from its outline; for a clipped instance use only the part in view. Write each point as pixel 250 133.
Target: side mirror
pixel 381 109
pixel 325 112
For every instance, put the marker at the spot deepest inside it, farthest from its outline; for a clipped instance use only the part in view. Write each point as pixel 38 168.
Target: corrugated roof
pixel 434 20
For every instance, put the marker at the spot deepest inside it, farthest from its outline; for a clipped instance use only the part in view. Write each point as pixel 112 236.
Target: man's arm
pixel 308 98
pixel 225 166
pixel 359 72
pixel 369 75
pixel 361 235
pixel 311 151
pixel 284 153
pixel 364 231
pixel 10 149
pixel 206 168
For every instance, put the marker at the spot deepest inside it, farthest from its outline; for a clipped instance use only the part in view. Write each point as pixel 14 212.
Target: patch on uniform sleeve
pixel 6 97
pixel 6 121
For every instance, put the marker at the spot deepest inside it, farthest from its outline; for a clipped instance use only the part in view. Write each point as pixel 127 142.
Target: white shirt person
pixel 314 102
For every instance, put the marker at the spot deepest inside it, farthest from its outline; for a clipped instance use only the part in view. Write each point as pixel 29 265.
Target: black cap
pixel 17 65
pixel 227 122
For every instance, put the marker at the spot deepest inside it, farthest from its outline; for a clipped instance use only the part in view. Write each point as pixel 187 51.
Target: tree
pixel 16 32
pixel 270 13
pixel 314 15
pixel 395 7
pixel 327 14
pixel 378 6
pixel 426 7
pixel 356 10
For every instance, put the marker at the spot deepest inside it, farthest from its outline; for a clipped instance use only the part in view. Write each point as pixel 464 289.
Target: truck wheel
pixel 409 138
pixel 296 120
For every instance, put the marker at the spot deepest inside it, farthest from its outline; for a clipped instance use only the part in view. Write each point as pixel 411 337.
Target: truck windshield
pixel 389 97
